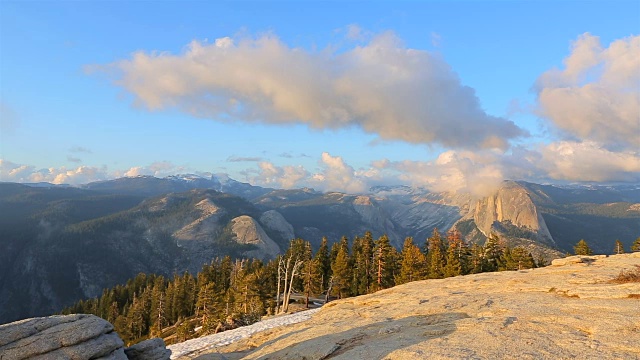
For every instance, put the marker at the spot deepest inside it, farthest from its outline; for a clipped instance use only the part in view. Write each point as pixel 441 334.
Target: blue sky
pixel 67 117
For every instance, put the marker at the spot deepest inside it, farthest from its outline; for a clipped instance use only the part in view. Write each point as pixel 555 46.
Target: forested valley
pixel 229 293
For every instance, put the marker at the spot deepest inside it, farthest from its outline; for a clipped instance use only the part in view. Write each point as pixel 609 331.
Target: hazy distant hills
pixel 152 186
pixel 62 243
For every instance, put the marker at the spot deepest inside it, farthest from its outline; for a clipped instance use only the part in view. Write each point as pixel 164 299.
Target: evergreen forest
pixel 228 293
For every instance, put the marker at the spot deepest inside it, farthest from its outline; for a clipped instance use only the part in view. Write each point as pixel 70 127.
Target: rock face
pixel 72 337
pixel 249 231
pixel 77 336
pixel 276 222
pixel 511 203
pixel 152 349
pixel 567 310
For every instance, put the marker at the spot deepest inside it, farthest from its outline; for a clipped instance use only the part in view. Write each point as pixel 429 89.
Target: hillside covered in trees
pixel 228 293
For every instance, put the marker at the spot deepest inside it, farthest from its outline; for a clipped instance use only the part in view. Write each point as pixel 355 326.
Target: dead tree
pixel 288 288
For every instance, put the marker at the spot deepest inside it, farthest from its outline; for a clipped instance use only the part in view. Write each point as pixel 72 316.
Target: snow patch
pixel 225 338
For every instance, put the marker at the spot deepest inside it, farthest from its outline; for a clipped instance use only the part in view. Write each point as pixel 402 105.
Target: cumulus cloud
pixel 21 173
pixel 596 96
pixel 285 177
pixel 338 176
pixel 588 162
pixel 333 175
pixel 13 172
pixel 477 173
pixel 157 169
pixel 382 87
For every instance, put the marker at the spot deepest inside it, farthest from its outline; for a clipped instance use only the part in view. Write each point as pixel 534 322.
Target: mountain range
pixel 61 243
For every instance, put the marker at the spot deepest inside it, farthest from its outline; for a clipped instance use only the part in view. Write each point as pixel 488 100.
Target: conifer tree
pixel 311 279
pixel 618 248
pixel 582 248
pixel 477 263
pixel 519 259
pixel 323 263
pixel 362 264
pixel 493 253
pixel 206 308
pixel 436 255
pixel 457 255
pixel 635 247
pixel 385 263
pixel 341 273
pixel 413 265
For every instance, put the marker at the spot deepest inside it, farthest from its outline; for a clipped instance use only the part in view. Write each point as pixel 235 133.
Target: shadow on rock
pixel 371 341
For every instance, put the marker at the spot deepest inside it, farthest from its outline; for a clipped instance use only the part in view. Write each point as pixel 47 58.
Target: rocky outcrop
pixel 152 349
pixel 248 231
pixel 77 336
pixel 72 337
pixel 570 310
pixel 276 222
pixel 512 204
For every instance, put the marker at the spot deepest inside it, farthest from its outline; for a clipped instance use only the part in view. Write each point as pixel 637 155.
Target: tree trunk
pixel 280 263
pixel 330 286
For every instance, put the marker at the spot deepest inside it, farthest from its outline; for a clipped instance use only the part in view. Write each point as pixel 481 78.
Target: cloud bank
pixel 382 87
pixel 596 97
pixel 22 173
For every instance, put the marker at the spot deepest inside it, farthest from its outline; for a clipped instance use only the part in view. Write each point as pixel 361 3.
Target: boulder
pixel 77 336
pixel 152 349
pixel 72 337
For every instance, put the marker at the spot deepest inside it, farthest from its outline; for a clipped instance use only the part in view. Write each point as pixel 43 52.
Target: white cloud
pixel 13 172
pixel 285 177
pixel 588 162
pixel 596 97
pixel 157 169
pixel 336 175
pixel 475 172
pixel 382 87
pixel 355 32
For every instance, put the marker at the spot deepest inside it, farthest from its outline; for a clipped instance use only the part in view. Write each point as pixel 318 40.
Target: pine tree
pixel 618 248
pixel 323 263
pixel 413 265
pixel 341 273
pixel 206 308
pixel 436 255
pixel 362 264
pixel 582 248
pixel 519 259
pixel 493 254
pixel 507 263
pixel 312 280
pixel 477 262
pixel 135 318
pixel 635 247
pixel 385 263
pixel 457 255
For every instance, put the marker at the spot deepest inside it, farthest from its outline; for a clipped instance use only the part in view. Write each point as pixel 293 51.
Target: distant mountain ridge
pixel 66 243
